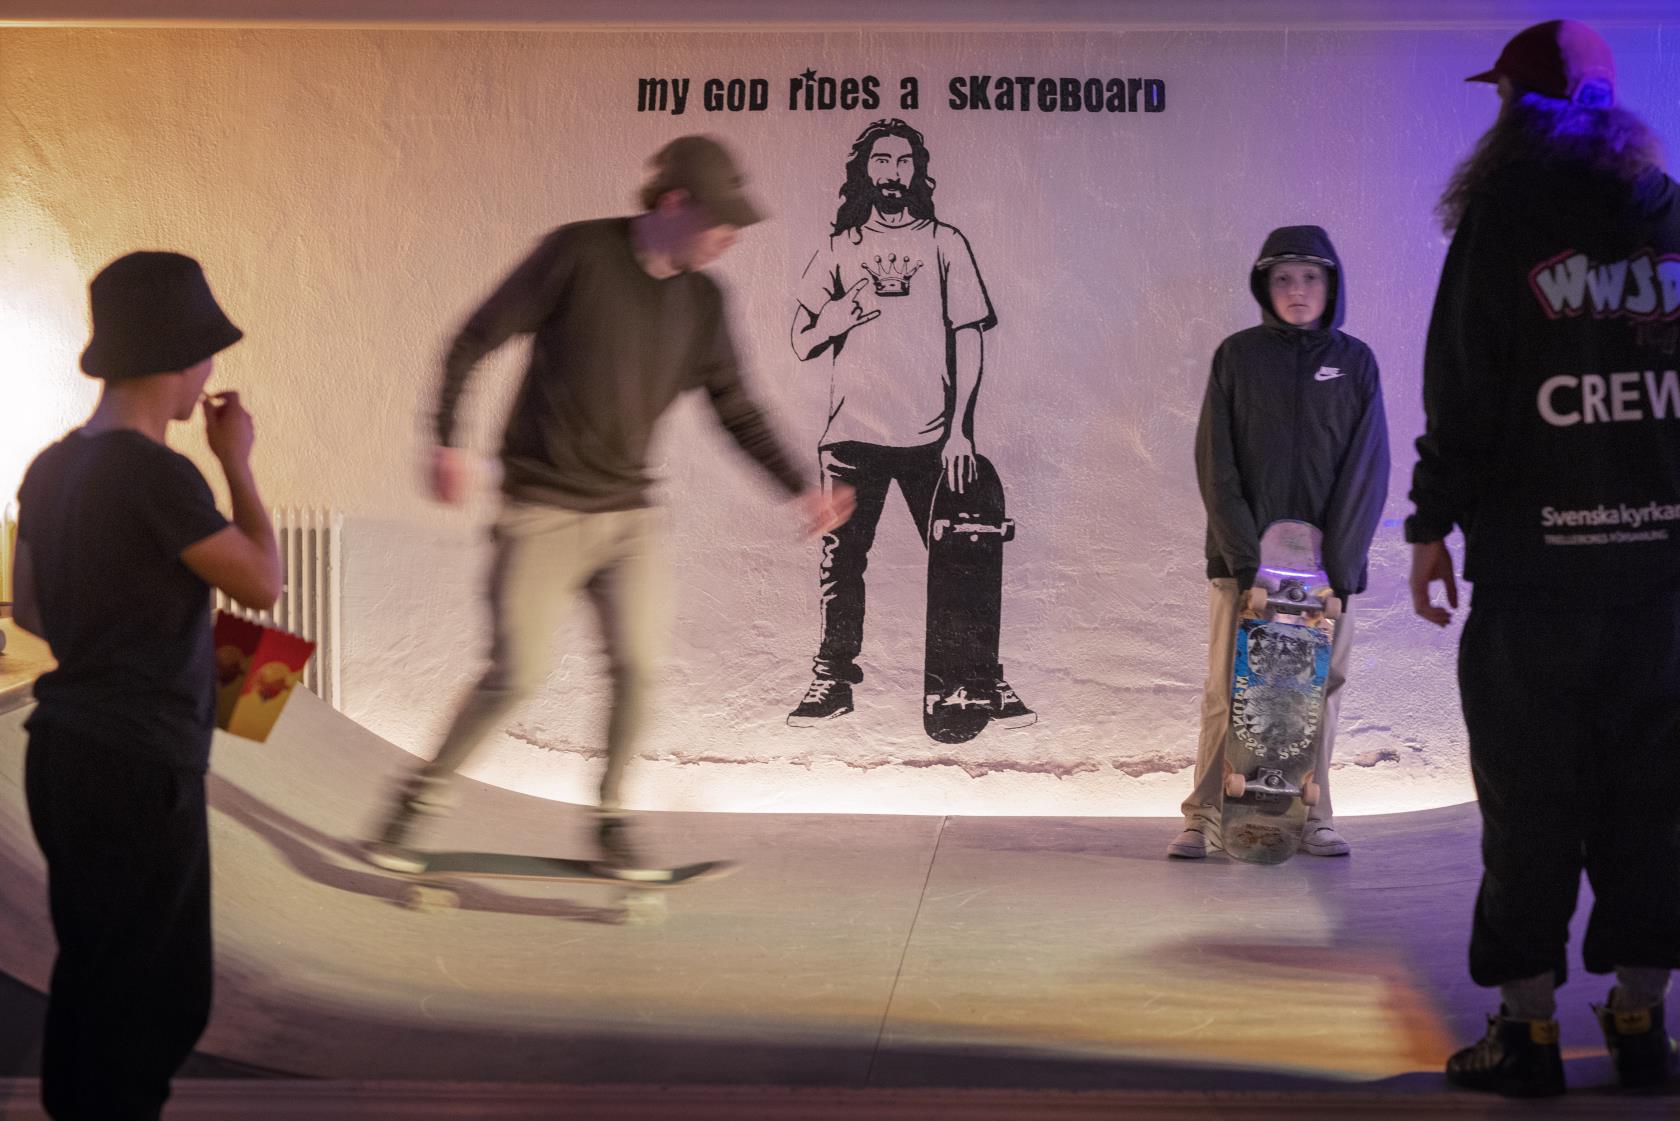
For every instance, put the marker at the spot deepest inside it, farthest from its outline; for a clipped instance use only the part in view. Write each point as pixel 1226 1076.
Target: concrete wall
pixel 353 193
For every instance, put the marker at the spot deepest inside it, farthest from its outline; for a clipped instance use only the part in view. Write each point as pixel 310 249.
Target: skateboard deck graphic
pixel 966 533
pixel 431 887
pixel 1277 698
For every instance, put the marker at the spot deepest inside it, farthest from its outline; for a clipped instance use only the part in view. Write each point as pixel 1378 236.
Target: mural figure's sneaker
pixel 1517 1058
pixel 1639 1043
pixel 1010 711
pixel 827 698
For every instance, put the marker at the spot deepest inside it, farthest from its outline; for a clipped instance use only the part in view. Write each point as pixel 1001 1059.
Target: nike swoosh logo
pixel 1327 373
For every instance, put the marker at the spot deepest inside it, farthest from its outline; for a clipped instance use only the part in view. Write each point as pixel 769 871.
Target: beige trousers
pixel 1206 796
pixel 545 556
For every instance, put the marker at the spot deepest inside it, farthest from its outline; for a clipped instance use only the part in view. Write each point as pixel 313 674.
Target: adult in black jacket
pixel 1292 427
pixel 1553 441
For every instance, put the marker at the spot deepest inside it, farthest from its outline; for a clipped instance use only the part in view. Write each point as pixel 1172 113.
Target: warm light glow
pixel 43 325
pixel 834 787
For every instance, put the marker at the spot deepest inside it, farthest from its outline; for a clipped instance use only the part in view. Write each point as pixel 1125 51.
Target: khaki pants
pixel 1207 795
pixel 544 556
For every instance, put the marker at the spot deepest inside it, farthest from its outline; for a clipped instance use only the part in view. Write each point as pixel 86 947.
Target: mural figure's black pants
pixel 1573 710
pixel 870 469
pixel 128 882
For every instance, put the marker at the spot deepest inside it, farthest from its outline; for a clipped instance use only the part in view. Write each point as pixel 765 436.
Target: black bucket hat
pixel 153 313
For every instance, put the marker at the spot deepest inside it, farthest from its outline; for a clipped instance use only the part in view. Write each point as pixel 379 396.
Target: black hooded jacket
pixel 1551 396
pixel 1292 427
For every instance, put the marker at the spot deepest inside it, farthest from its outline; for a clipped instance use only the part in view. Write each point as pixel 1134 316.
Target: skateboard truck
pixel 1292 596
pixel 1005 529
pixel 1269 780
pixel 957 698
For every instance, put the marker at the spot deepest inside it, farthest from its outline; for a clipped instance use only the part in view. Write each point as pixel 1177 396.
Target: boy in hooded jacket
pixel 1292 427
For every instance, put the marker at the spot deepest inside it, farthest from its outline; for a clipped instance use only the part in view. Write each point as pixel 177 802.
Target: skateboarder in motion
pixel 1292 428
pixel 623 322
pixel 119 544
pixel 1569 663
pixel 895 301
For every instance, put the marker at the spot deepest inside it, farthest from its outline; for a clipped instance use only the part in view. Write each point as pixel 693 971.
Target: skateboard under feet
pixel 641 890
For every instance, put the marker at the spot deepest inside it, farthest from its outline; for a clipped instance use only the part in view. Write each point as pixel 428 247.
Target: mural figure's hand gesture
pixel 839 316
pixel 957 456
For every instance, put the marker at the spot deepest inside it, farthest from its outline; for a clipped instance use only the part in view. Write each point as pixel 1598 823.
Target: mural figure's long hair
pixel 1607 142
pixel 855 205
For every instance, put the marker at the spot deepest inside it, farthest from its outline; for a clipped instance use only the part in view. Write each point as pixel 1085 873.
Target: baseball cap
pixel 703 167
pixel 1265 263
pixel 1561 58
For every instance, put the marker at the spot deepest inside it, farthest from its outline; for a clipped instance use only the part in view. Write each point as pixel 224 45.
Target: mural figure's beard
pixel 891 198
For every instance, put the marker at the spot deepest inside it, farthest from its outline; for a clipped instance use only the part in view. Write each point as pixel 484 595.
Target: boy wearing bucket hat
pixel 1292 427
pixel 119 543
pixel 1553 441
pixel 623 322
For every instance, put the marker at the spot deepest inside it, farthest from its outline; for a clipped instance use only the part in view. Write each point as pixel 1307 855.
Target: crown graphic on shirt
pixel 892 274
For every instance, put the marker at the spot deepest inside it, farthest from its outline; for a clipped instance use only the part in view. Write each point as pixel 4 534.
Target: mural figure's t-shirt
pixel 891 383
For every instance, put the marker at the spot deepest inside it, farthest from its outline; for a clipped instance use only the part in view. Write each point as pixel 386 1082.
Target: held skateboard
pixel 966 532
pixel 1277 697
pixel 431 888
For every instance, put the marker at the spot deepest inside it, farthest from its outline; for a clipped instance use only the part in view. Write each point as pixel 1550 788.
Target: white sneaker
pixel 1189 845
pixel 1323 840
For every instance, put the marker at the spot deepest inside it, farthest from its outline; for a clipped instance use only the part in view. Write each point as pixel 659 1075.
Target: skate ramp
pixel 847 951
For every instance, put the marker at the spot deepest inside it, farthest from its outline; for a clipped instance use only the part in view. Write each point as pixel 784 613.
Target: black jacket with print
pixel 1551 397
pixel 1292 427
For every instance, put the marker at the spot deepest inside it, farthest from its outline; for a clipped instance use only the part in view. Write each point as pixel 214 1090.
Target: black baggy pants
pixel 128 881
pixel 870 470
pixel 1573 711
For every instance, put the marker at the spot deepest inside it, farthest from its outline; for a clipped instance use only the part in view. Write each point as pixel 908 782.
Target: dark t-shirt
pixel 106 517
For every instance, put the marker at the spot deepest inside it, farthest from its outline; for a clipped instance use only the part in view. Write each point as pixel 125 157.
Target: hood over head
pixel 1300 243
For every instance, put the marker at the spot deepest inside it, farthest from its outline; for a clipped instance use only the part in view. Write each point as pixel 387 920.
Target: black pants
pixel 871 470
pixel 128 880
pixel 1574 721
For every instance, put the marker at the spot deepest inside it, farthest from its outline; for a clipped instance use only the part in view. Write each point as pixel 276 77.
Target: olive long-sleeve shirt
pixel 612 348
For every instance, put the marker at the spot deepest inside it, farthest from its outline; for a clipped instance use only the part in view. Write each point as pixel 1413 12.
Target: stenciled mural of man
pixel 895 303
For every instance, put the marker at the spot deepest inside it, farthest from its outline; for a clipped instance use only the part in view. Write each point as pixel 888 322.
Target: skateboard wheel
pixel 1332 608
pixel 419 897
pixel 644 908
pixel 1235 785
pixel 1310 793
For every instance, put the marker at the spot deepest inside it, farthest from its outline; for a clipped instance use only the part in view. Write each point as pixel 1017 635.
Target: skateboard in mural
pixel 431 888
pixel 965 537
pixel 1277 697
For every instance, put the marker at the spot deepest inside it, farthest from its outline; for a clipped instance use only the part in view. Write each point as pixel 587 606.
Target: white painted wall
pixel 353 193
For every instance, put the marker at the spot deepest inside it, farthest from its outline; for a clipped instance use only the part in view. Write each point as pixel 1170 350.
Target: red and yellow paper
pixel 256 669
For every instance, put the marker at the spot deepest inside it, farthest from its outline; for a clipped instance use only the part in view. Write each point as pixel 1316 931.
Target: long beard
pixel 890 198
